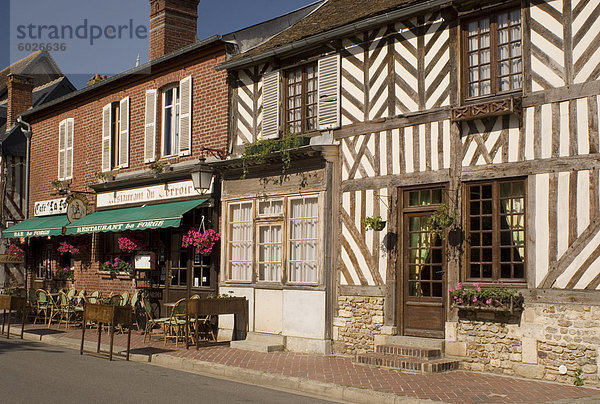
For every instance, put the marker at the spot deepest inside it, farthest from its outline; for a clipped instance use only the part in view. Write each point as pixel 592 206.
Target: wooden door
pixel 423 270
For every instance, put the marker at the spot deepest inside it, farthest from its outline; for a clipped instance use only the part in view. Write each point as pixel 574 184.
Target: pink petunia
pixel 475 299
pixel 488 301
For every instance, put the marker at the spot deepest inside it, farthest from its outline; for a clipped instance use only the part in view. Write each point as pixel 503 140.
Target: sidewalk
pixel 333 377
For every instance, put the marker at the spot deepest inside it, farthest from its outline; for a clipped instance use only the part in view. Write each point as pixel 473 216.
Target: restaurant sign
pixel 51 207
pixel 171 190
pixel 11 259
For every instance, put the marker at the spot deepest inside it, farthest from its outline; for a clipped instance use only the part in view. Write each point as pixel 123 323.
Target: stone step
pixel 407 363
pixel 415 342
pixel 256 346
pixel 264 338
pixel 423 353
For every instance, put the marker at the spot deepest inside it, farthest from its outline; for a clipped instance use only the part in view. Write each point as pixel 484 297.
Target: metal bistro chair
pixel 95 297
pixel 67 310
pixel 174 326
pixel 150 321
pixel 53 308
pixel 41 305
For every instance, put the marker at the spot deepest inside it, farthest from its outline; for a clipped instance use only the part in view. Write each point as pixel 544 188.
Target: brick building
pixel 116 156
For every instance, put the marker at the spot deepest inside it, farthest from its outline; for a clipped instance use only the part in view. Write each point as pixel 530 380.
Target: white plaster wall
pixel 304 313
pixel 268 311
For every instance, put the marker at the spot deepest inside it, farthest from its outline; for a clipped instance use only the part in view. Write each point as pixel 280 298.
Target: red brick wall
pixel 19 97
pixel 209 128
pixel 173 25
pixel 210 112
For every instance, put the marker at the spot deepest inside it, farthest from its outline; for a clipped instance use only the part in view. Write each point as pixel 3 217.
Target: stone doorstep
pixel 256 346
pixel 424 353
pixel 407 363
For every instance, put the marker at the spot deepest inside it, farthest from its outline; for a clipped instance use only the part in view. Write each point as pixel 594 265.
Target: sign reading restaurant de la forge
pixel 171 190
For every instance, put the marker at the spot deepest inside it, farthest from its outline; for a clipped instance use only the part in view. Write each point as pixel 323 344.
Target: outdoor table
pixel 11 303
pixel 107 314
pixel 238 306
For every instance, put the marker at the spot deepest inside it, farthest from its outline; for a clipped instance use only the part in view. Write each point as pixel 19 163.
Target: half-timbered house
pixel 484 110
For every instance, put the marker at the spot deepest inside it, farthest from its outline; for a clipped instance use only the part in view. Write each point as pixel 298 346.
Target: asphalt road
pixel 38 373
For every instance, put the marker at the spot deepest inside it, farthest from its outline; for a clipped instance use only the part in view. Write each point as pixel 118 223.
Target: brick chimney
pixel 173 25
pixel 20 89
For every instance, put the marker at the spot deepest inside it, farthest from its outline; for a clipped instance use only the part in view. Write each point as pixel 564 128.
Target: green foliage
pixel 258 151
pixel 493 296
pixel 116 265
pixel 443 218
pixel 374 223
pixel 578 380
pixel 62 187
pixel 159 167
pixel 102 176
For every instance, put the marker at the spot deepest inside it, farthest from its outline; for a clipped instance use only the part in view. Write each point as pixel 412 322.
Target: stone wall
pixel 359 319
pixel 533 344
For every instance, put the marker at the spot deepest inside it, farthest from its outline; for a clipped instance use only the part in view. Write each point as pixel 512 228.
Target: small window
pixel 423 197
pixel 240 241
pixel 179 262
pixel 493 54
pixel 303 240
pixel 496 231
pixel 301 99
pixel 170 121
pixel 270 208
pixel 270 238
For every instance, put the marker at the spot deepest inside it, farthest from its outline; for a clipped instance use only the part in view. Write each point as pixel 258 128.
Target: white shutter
pixel 106 138
pixel 69 149
pixel 62 146
pixel 271 103
pixel 150 127
pixel 329 92
pixel 185 116
pixel 124 133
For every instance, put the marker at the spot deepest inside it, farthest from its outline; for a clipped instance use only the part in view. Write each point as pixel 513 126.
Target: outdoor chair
pixel 204 324
pixel 67 311
pixel 133 302
pixel 95 297
pixel 53 309
pixel 150 321
pixel 79 300
pixel 32 301
pixel 41 305
pixel 174 325
pixel 124 298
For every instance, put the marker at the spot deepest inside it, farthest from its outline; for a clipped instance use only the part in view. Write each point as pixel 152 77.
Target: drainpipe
pixel 27 132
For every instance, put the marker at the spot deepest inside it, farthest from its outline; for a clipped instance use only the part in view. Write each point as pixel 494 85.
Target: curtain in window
pixel 241 242
pixel 269 253
pixel 303 240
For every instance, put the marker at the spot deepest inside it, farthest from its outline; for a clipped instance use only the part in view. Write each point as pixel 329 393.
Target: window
pixel 115 135
pixel 301 99
pixel 496 230
pixel 493 54
pixel 269 252
pixel 270 208
pixel 303 229
pixel 240 241
pixel 65 149
pixel 179 262
pixel 171 121
pixel 176 120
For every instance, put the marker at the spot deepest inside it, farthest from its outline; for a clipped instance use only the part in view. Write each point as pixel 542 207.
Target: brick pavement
pixel 450 387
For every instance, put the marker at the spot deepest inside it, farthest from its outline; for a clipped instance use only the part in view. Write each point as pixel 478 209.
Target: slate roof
pixel 332 14
pixel 31 65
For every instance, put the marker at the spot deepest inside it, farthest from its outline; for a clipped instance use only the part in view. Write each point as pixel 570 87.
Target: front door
pixel 423 268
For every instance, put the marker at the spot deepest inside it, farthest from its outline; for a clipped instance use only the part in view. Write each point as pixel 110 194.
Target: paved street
pixel 33 372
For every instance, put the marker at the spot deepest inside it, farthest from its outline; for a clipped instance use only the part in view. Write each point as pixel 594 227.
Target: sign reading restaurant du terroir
pixel 51 207
pixel 171 190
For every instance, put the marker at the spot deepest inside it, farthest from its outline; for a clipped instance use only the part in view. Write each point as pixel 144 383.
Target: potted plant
pixel 130 243
pixel 489 298
pixel 374 223
pixel 64 274
pixel 116 267
pixel 67 248
pixel 62 187
pixel 14 250
pixel 159 167
pixel 202 242
pixel 258 151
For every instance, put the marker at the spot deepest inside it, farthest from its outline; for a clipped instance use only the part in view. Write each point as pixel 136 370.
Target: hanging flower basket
pixel 67 248
pixel 202 242
pixel 15 251
pixel 130 244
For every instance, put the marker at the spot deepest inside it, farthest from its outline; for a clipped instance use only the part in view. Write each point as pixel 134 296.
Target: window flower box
pixel 491 299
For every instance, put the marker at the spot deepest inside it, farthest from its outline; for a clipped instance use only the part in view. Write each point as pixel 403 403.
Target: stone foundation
pixel 533 344
pixel 359 319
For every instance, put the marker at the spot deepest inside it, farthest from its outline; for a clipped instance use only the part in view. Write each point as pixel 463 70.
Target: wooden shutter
pixel 62 146
pixel 185 116
pixel 271 104
pixel 150 127
pixel 124 133
pixel 329 92
pixel 106 138
pixel 69 149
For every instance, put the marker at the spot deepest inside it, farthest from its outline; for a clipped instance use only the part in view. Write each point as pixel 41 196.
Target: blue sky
pixel 81 59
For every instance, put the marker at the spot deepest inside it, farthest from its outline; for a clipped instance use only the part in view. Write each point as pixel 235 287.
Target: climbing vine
pixel 258 151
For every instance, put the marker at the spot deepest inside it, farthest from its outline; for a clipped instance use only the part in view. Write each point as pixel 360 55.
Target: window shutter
pixel 329 92
pixel 69 149
pixel 62 146
pixel 185 116
pixel 150 127
pixel 271 103
pixel 106 138
pixel 124 133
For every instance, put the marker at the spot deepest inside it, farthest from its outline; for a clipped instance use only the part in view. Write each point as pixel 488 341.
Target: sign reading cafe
pixel 51 207
pixel 172 190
